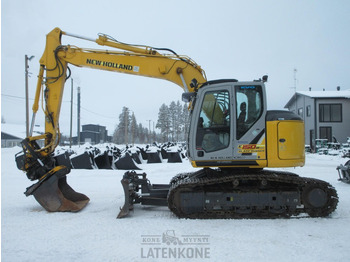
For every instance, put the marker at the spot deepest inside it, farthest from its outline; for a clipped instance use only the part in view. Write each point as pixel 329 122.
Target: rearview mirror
pixel 187 97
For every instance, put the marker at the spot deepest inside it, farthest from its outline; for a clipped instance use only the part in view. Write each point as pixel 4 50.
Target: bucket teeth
pixel 55 195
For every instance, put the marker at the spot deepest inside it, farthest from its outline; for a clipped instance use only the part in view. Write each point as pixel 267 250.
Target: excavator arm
pixel 139 60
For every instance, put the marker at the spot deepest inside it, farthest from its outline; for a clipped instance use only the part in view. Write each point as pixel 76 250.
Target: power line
pixel 19 97
pixel 92 112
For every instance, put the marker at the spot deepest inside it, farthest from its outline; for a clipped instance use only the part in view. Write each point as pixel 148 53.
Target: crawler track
pixel 231 193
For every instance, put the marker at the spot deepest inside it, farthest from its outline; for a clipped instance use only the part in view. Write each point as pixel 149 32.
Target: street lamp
pixel 26 90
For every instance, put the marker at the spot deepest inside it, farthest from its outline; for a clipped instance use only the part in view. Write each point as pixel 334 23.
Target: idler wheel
pixel 315 199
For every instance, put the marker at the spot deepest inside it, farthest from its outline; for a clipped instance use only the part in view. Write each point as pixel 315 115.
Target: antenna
pixel 295 90
pixel 295 79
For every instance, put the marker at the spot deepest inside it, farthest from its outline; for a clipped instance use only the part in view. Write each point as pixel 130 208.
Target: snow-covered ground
pixel 29 233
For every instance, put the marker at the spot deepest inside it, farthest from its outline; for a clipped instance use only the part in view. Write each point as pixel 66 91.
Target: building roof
pixel 15 130
pixel 320 94
pixel 326 94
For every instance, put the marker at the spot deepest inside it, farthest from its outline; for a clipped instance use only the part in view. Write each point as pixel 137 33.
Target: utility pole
pixel 78 116
pixel 133 128
pixel 154 133
pixel 149 131
pixel 26 58
pixel 71 114
pixel 295 90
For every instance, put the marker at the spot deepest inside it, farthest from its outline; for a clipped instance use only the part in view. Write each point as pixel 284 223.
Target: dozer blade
pixel 138 190
pixel 128 196
pixel 55 195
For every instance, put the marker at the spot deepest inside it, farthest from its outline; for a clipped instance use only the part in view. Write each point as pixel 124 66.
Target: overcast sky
pixel 229 39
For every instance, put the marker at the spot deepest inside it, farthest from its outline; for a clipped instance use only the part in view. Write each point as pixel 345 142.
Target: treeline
pixel 172 125
pixel 173 122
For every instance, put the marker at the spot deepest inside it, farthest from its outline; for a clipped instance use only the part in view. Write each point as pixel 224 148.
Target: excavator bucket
pixel 174 157
pixel 55 195
pixel 126 162
pixel 104 161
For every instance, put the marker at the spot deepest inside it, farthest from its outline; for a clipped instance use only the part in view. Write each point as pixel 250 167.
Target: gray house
pixel 326 114
pixel 93 134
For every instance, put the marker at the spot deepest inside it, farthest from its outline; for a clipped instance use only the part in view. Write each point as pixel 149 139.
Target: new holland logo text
pixel 112 65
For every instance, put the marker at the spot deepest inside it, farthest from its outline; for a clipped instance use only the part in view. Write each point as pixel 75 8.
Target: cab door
pixel 210 138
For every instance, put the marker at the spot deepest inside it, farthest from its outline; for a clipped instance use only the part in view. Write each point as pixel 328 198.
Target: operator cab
pixel 228 124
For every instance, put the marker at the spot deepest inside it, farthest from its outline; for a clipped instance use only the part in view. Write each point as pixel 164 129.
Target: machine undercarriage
pixel 232 193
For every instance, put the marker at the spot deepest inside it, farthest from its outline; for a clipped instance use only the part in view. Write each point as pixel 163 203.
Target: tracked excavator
pixel 233 140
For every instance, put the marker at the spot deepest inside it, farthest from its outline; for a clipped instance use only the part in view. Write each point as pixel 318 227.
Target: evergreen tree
pixel 178 121
pixel 133 129
pixel 120 135
pixel 172 117
pixel 185 119
pixel 142 135
pixel 163 122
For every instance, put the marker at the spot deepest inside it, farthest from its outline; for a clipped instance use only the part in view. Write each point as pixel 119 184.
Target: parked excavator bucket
pixel 63 159
pixel 126 162
pixel 174 157
pixel 82 161
pixel 136 158
pixel 344 172
pixel 164 153
pixel 143 153
pixel 153 157
pixel 104 161
pixel 54 194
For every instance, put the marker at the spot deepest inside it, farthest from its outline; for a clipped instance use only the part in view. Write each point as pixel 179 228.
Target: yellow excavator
pixel 232 139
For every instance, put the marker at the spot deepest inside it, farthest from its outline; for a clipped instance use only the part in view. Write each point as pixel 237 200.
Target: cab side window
pixel 249 108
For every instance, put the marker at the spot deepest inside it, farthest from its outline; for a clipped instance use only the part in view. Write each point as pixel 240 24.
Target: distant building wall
pixel 93 134
pixel 339 129
pixel 8 140
pixel 324 117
